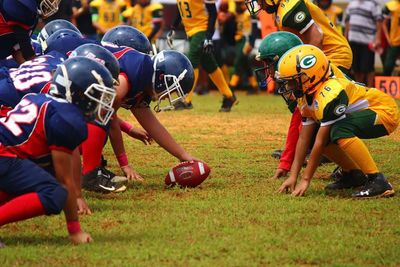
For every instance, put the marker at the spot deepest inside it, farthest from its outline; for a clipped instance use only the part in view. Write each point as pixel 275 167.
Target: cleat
pixel 347 180
pixel 277 154
pixel 113 177
pixel 376 186
pixel 97 181
pixel 337 173
pixel 181 105
pixel 227 103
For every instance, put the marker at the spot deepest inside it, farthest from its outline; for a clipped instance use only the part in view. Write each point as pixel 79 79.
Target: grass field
pixel 235 218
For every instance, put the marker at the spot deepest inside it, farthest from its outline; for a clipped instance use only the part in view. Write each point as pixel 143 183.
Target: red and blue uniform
pixel 138 70
pixel 32 76
pixel 38 125
pixel 18 18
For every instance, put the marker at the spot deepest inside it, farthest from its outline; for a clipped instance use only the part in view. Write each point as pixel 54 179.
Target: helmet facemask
pixel 48 7
pixel 102 98
pixel 173 91
pixel 265 74
pixel 254 6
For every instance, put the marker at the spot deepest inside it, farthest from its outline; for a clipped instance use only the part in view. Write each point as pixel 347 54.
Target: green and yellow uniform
pixel 107 13
pixel 195 19
pixel 297 16
pixel 351 109
pixel 391 11
pixel 143 18
pixel 335 15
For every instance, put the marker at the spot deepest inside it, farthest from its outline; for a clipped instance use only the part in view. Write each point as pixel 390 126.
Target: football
pixel 187 174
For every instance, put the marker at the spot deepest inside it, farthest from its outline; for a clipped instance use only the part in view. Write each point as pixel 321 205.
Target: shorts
pixel 363 58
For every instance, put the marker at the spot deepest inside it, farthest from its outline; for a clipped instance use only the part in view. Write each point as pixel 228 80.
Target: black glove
pixel 208 46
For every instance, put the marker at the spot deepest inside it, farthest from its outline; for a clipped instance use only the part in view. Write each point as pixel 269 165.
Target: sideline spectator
pixel 363 20
pixel 391 12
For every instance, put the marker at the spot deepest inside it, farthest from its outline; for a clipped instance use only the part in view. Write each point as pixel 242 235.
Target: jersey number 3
pixel 186 8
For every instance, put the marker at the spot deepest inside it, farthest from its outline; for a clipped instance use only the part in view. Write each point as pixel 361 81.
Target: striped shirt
pixel 362 16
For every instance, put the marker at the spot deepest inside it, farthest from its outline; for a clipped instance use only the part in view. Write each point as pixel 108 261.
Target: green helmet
pixel 271 49
pixel 274 45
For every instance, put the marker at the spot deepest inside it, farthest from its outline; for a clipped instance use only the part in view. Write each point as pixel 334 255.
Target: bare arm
pixel 157 131
pixel 62 162
pixel 319 145
pixel 313 36
pixel 301 151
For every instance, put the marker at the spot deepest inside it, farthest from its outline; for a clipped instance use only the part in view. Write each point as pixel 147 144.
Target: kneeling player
pixel 346 112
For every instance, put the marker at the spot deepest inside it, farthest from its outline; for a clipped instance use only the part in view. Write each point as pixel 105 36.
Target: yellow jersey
pixel 194 15
pixel 337 97
pixel 108 12
pixel 297 16
pixel 392 11
pixel 142 18
pixel 243 25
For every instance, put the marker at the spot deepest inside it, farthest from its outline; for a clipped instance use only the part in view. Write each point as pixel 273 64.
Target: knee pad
pixel 53 199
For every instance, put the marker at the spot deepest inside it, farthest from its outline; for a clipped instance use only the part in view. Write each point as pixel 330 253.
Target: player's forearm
pixel 157 131
pixel 301 149
pixel 156 28
pixel 177 20
pixel 116 139
pixel 77 172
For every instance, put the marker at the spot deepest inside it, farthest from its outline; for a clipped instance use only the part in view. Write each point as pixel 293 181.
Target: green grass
pixel 235 218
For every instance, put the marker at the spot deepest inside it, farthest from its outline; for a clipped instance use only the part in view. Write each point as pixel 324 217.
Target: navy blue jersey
pixel 39 124
pixel 68 44
pixel 32 76
pixel 21 13
pixel 138 70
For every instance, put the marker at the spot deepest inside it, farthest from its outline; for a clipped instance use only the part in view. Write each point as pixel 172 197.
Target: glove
pixel 208 46
pixel 170 39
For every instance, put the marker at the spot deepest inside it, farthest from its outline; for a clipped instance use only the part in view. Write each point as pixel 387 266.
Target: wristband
pixel 73 227
pixel 126 127
pixel 122 160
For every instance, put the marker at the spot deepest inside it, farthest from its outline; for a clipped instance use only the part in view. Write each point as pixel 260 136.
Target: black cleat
pixel 227 103
pixel 347 180
pixel 113 177
pixel 97 181
pixel 376 186
pixel 181 105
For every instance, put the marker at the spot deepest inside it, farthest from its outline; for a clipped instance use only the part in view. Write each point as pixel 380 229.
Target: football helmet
pixel 271 49
pixel 86 84
pixel 301 69
pixel 48 7
pixel 173 78
pixel 101 55
pixel 54 26
pixel 255 6
pixel 124 35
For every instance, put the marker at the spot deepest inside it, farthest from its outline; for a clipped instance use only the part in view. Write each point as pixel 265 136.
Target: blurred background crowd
pixel 238 35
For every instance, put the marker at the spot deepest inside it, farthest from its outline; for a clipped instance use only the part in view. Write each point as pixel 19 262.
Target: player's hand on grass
pixel 80 238
pixel 288 185
pixel 131 174
pixel 280 173
pixel 301 188
pixel 141 135
pixel 83 207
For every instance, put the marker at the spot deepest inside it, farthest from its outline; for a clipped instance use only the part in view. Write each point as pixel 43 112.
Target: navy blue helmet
pixel 87 84
pixel 124 35
pixel 60 34
pixel 101 55
pixel 54 26
pixel 173 77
